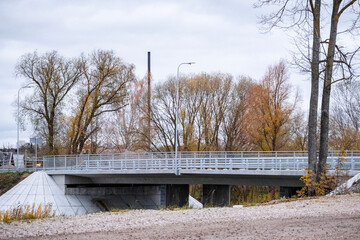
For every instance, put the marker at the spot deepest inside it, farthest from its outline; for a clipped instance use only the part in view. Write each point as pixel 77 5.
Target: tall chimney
pixel 149 103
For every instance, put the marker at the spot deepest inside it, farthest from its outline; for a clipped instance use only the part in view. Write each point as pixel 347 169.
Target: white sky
pixel 220 36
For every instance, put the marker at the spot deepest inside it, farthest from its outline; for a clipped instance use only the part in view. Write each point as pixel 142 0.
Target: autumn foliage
pixel 271 109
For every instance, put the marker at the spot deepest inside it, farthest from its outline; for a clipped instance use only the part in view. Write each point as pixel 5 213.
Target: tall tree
pixel 338 8
pixel 53 77
pixel 271 109
pixel 104 89
pixel 190 105
pixel 315 7
pixel 163 115
pixel 305 17
pixel 235 119
pixel 215 101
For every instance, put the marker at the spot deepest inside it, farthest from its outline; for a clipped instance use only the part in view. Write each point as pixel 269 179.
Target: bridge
pixel 165 179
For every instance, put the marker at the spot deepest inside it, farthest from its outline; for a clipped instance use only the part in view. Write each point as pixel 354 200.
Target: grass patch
pixel 10 179
pixel 176 208
pixel 116 210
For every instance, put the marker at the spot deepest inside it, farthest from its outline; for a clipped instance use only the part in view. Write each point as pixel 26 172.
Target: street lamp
pixel 18 123
pixel 176 115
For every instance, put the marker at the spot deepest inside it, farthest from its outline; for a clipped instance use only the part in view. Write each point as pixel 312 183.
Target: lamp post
pixel 176 116
pixel 18 124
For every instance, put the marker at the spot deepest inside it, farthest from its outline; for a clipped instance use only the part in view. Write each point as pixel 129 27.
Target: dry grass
pixel 27 212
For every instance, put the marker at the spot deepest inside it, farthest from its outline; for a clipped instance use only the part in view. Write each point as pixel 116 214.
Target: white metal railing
pixel 192 161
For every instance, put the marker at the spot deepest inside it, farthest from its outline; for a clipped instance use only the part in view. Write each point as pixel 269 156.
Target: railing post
pixel 258 161
pixel 287 163
pixel 99 162
pixel 242 159
pixel 65 162
pixel 152 161
pixel 226 158
pixel 294 160
pixel 87 162
pixel 54 163
pixel 210 158
pixel 352 160
pixel 111 161
pixel 167 162
pixel 76 162
pixel 297 163
pixel 334 160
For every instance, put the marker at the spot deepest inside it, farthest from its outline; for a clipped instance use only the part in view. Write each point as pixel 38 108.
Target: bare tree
pixel 299 132
pixel 235 119
pixel 190 104
pixel 163 115
pixel 104 90
pixel 53 77
pixel 305 17
pixel 338 8
pixel 345 118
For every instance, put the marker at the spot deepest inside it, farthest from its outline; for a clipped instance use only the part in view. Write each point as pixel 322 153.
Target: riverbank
pixel 336 217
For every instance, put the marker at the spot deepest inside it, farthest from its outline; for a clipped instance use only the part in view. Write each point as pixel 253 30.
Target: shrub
pixel 326 184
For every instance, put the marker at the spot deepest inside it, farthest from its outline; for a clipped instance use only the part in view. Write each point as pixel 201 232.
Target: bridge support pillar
pixel 177 195
pixel 288 192
pixel 216 195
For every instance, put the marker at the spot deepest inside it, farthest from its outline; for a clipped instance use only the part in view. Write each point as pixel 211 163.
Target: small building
pixel 6 159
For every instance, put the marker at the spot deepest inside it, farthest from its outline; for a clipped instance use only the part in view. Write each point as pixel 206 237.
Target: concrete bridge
pixel 158 179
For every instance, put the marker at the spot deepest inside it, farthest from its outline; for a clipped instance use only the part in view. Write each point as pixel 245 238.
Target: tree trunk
pixel 312 148
pixel 50 139
pixel 325 106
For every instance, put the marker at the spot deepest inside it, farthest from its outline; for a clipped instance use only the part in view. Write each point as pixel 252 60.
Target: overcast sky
pixel 220 36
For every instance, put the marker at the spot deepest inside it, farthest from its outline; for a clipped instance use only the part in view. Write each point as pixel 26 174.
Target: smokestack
pixel 149 103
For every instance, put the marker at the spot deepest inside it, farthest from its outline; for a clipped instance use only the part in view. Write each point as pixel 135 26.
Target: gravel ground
pixel 336 217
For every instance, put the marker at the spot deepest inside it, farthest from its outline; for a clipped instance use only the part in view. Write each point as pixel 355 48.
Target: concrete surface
pixel 39 188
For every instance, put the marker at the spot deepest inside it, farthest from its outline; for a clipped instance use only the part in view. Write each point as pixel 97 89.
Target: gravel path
pixel 335 217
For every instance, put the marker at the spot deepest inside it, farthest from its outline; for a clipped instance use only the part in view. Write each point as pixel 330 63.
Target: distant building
pixel 6 158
